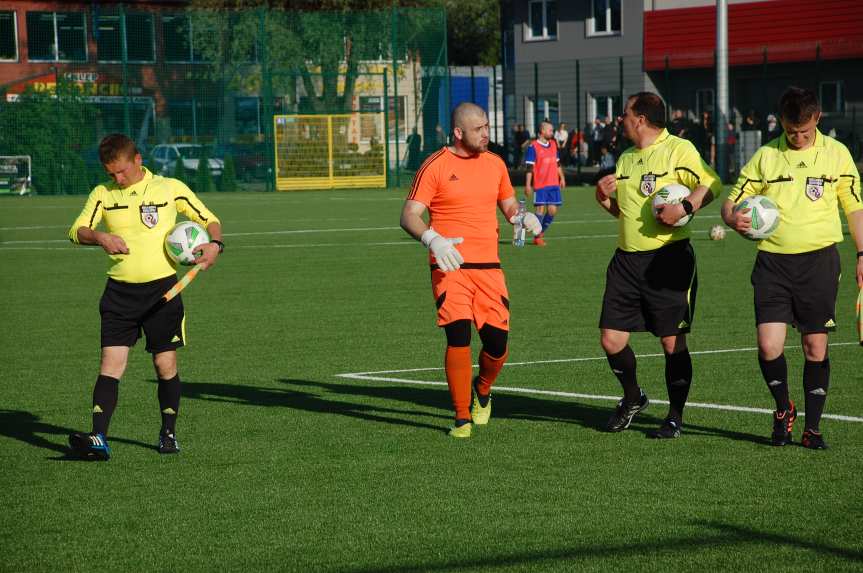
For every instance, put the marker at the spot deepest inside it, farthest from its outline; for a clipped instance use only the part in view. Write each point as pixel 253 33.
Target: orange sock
pixel 489 368
pixel 458 376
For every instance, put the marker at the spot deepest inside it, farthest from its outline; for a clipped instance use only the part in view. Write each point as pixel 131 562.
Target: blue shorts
pixel 547 196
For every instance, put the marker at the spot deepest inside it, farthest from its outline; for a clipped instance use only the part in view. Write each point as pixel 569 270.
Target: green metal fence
pixel 209 83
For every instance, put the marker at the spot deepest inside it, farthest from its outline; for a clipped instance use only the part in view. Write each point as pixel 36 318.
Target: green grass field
pixel 288 464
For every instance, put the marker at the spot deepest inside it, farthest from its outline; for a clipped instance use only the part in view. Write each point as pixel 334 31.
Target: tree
pixel 56 129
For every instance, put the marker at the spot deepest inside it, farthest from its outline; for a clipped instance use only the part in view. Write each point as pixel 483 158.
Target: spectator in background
pixel 772 129
pixel 751 122
pixel 606 159
pixel 521 139
pixel 679 124
pixel 561 136
pixel 414 142
pixel 596 135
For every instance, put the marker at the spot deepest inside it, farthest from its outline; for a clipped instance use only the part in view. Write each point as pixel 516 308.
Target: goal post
pixel 330 151
pixel 15 174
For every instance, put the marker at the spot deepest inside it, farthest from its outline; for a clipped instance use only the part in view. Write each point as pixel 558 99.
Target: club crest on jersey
pixel 648 184
pixel 814 187
pixel 149 215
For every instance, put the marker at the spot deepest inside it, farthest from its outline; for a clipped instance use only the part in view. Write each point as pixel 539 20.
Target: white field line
pixel 14 245
pixel 373 376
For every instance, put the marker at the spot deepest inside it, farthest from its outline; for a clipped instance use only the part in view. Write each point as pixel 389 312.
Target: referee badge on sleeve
pixel 814 187
pixel 648 184
pixel 149 215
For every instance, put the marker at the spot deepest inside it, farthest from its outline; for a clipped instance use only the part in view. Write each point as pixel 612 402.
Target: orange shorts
pixel 478 295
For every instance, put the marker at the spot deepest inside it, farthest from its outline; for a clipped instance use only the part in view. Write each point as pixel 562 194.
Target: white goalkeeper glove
pixel 443 248
pixel 530 222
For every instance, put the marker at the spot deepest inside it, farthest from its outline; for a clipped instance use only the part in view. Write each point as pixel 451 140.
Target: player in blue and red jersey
pixel 544 178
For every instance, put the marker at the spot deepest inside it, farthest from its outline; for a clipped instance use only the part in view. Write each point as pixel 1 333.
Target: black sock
pixel 775 374
pixel 678 379
pixel 104 402
pixel 169 402
pixel 623 366
pixel 816 380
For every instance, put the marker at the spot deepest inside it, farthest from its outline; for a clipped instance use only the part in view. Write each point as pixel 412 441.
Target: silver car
pixel 165 156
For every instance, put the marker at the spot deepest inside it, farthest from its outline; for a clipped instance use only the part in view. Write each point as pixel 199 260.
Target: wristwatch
pixel 687 206
pixel 221 245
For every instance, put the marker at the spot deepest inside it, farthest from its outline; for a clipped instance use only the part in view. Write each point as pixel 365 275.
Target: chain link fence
pixel 203 88
pixel 586 96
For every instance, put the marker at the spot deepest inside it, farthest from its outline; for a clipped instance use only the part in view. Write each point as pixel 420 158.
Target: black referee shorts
pixel 651 291
pixel 129 308
pixel 799 289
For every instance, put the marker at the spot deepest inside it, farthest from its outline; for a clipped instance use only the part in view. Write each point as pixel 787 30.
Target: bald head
pixel 466 112
pixel 469 129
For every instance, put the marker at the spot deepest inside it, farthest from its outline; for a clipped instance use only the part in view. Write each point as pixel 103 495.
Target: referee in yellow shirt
pixel 138 209
pixel 796 273
pixel 651 281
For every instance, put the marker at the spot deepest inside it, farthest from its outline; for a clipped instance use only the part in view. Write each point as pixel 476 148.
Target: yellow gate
pixel 330 151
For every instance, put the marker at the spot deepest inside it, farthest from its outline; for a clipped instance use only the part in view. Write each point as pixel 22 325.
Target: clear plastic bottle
pixel 518 226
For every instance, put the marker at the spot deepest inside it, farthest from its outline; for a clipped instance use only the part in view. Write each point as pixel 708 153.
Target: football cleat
pixel 168 444
pixel 461 430
pixel 813 440
pixel 90 446
pixel 625 412
pixel 669 429
pixel 539 241
pixel 783 422
pixel 480 414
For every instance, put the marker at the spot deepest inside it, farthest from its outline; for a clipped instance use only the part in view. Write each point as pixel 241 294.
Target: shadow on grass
pixel 26 427
pixel 307 401
pixel 713 536
pixel 334 398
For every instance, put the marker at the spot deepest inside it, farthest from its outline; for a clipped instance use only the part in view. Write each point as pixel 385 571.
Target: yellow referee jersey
pixel 141 214
pixel 805 185
pixel 642 172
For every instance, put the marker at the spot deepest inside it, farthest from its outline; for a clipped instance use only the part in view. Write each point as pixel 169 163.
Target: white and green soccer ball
pixel 184 241
pixel 764 215
pixel 671 194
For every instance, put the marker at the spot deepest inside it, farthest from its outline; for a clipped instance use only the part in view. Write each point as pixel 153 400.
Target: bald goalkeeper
pixel 461 187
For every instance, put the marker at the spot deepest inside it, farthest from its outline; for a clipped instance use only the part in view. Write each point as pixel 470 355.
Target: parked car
pixel 164 158
pixel 250 159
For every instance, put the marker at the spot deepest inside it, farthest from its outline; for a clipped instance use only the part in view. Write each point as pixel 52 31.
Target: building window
pixel 604 18
pixel 179 39
pixel 8 37
pixel 604 106
pixel 57 36
pixel 541 20
pixel 139 38
pixel 247 114
pixel 830 96
pixel 548 109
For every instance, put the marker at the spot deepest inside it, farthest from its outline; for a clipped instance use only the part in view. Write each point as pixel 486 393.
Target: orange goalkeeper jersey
pixel 461 194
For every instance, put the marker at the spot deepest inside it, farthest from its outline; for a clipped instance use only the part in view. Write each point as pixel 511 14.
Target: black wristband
pixel 687 206
pixel 859 254
pixel 221 245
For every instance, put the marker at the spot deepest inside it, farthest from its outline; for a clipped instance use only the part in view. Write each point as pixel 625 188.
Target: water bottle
pixel 518 226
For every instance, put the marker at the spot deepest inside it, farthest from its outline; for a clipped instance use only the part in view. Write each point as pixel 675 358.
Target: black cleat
pixel 783 422
pixel 93 447
pixel 625 412
pixel 168 444
pixel 669 430
pixel 813 440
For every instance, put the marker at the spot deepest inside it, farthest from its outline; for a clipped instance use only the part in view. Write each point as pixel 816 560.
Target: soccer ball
pixel 764 215
pixel 671 195
pixel 717 233
pixel 184 240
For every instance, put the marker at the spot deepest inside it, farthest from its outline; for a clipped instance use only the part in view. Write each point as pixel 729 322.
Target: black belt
pixel 473 266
